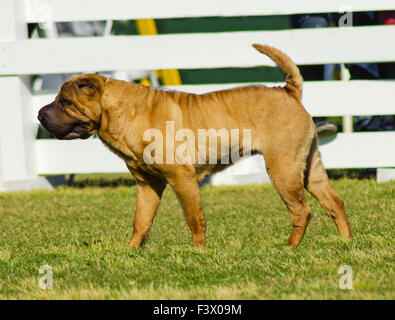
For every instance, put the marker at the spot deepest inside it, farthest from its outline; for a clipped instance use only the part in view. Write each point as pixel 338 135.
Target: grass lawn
pixel 83 234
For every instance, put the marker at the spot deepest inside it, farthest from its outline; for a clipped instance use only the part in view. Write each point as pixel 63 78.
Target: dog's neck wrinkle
pixel 121 108
pixel 112 133
pixel 127 97
pixel 121 103
pixel 107 128
pixel 117 145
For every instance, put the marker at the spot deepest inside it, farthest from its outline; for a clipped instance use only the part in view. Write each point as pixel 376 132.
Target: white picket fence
pixel 23 158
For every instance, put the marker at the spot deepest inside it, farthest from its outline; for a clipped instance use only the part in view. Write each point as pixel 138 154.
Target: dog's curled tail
pixel 294 80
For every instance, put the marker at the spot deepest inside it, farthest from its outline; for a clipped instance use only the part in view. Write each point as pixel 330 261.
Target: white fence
pixel 23 158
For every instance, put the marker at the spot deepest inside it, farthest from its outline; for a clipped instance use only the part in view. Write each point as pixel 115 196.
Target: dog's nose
pixel 41 115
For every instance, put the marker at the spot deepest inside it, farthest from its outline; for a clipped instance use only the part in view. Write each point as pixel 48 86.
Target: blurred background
pixel 346 56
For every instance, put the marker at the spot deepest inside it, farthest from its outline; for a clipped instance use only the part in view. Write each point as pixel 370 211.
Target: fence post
pixel 17 129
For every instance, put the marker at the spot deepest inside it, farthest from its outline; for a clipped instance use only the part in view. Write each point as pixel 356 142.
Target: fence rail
pixel 36 10
pixel 209 50
pixel 23 158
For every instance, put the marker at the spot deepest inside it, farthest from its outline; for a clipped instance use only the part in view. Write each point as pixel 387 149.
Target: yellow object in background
pixel 146 27
pixel 170 77
pixel 145 82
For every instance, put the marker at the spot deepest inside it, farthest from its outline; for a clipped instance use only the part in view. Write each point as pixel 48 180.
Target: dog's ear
pixel 91 83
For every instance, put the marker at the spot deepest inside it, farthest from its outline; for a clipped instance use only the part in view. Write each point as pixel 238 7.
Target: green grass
pixel 83 234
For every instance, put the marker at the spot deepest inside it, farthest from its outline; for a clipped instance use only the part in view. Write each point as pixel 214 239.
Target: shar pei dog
pixel 149 128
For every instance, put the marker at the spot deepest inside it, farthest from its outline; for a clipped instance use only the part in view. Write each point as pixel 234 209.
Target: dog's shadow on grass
pixel 100 182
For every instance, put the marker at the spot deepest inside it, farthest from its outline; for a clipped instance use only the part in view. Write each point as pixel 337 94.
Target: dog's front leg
pixel 185 184
pixel 149 193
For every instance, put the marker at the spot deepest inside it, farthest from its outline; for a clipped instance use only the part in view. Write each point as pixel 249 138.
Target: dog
pixel 120 113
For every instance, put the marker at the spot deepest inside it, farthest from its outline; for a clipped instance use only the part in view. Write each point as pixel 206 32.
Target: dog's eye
pixel 64 103
pixel 84 84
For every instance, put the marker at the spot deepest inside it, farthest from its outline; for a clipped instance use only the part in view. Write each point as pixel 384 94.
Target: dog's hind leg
pixel 317 183
pixel 287 177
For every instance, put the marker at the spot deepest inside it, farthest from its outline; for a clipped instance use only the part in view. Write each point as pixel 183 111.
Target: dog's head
pixel 76 111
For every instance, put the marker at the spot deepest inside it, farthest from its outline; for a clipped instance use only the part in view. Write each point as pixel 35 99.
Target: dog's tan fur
pixel 281 129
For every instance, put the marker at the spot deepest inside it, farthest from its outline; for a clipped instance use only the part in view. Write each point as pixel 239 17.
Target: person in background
pixel 323 125
pixel 364 70
pixel 358 71
pixel 374 71
pixel 387 70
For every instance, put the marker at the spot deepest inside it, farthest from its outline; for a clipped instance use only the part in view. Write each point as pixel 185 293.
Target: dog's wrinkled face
pixel 76 111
